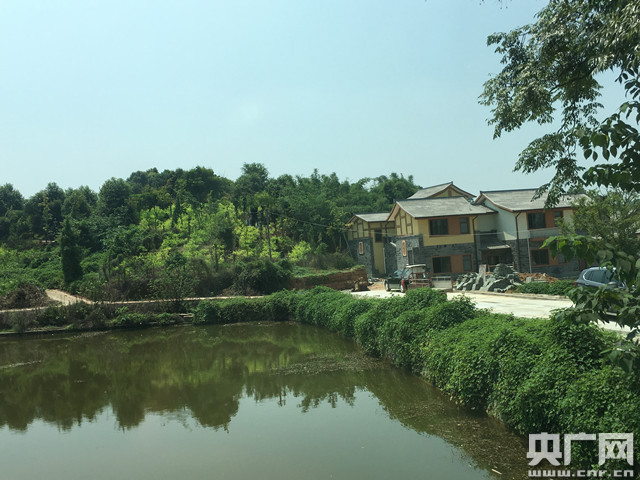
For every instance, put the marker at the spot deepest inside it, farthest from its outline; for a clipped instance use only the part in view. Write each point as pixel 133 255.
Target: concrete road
pixel 520 305
pixel 527 306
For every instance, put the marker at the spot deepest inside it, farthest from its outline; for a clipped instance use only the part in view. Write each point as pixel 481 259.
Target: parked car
pixel 411 276
pixel 597 277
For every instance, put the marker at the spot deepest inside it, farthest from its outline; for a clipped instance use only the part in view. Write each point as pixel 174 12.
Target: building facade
pixel 516 234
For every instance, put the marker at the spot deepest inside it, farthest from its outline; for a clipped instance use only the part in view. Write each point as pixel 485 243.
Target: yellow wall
pixel 361 229
pixel 454 232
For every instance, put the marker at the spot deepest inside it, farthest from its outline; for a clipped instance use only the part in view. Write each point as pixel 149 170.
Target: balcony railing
pixel 539 233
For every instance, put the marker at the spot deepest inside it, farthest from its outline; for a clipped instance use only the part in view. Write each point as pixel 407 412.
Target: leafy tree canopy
pixel 550 74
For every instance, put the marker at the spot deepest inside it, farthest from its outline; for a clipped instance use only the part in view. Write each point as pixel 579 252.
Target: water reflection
pixel 210 370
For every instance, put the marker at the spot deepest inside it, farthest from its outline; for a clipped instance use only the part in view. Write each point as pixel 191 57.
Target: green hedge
pixel 561 287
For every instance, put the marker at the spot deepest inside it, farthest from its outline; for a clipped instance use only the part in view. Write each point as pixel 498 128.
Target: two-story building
pixel 444 228
pixel 366 235
pixel 436 231
pixel 521 225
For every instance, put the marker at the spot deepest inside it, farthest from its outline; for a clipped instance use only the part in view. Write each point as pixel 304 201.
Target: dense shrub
pixel 423 297
pixel 345 316
pixel 208 312
pixel 25 295
pixel 261 277
pixel 561 287
pixel 125 318
pixel 241 310
pixel 367 325
pixel 446 314
pixel 401 338
pixel 280 306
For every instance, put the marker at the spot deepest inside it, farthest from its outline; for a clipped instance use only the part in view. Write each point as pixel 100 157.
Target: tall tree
pixel 114 201
pixel 70 253
pixel 611 219
pixel 551 74
pixel 10 199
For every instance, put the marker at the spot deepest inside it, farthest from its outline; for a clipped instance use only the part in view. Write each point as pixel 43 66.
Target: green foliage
pixel 237 310
pixel 300 252
pixel 599 304
pixel 70 253
pixel 118 243
pixel 424 297
pixel 561 287
pixel 280 306
pixel 554 63
pixel 261 276
pixel 446 314
pixel 125 318
pixel 367 325
pixel 207 312
pixel 611 218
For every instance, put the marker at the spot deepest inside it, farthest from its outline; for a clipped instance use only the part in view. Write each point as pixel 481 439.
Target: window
pixel 404 248
pixel 361 248
pixel 557 216
pixel 439 226
pixel 378 235
pixel 536 220
pixel 441 264
pixel 464 225
pixel 466 263
pixel 540 257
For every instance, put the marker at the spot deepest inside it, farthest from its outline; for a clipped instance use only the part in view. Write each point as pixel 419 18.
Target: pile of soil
pixel 27 295
pixel 537 277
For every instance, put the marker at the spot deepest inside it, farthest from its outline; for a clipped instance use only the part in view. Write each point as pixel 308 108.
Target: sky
pixel 94 89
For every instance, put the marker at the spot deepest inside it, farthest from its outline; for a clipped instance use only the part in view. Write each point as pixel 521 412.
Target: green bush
pixel 561 287
pixel 261 277
pixel 237 310
pixel 424 297
pixel 207 312
pixel 52 316
pixel 446 314
pixel 401 339
pixel 280 306
pixel 367 325
pixel 126 318
pixel 345 316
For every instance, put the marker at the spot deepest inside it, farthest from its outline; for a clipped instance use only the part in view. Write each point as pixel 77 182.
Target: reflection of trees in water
pixel 209 369
pixel 204 369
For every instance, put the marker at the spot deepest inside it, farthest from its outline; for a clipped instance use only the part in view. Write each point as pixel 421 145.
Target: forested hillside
pixel 183 232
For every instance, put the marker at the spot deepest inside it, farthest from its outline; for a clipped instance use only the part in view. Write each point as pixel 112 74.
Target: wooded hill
pixel 183 232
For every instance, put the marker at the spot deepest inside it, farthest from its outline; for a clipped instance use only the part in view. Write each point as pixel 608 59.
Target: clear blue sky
pixel 93 89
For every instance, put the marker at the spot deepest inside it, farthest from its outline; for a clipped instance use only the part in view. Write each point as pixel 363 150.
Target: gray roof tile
pixel 441 207
pixel 520 200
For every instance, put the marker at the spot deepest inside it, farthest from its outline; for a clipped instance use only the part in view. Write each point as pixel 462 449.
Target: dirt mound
pixel 537 277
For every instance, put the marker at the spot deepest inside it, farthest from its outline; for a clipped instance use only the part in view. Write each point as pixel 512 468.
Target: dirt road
pixel 65 298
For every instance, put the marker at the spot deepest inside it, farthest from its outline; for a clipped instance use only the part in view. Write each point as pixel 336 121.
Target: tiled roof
pixel 373 217
pixel 435 190
pixel 441 207
pixel 520 200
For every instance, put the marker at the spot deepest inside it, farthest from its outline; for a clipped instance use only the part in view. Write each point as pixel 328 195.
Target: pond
pixel 273 400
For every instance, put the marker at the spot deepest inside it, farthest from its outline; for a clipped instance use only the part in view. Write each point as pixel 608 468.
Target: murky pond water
pixel 281 401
